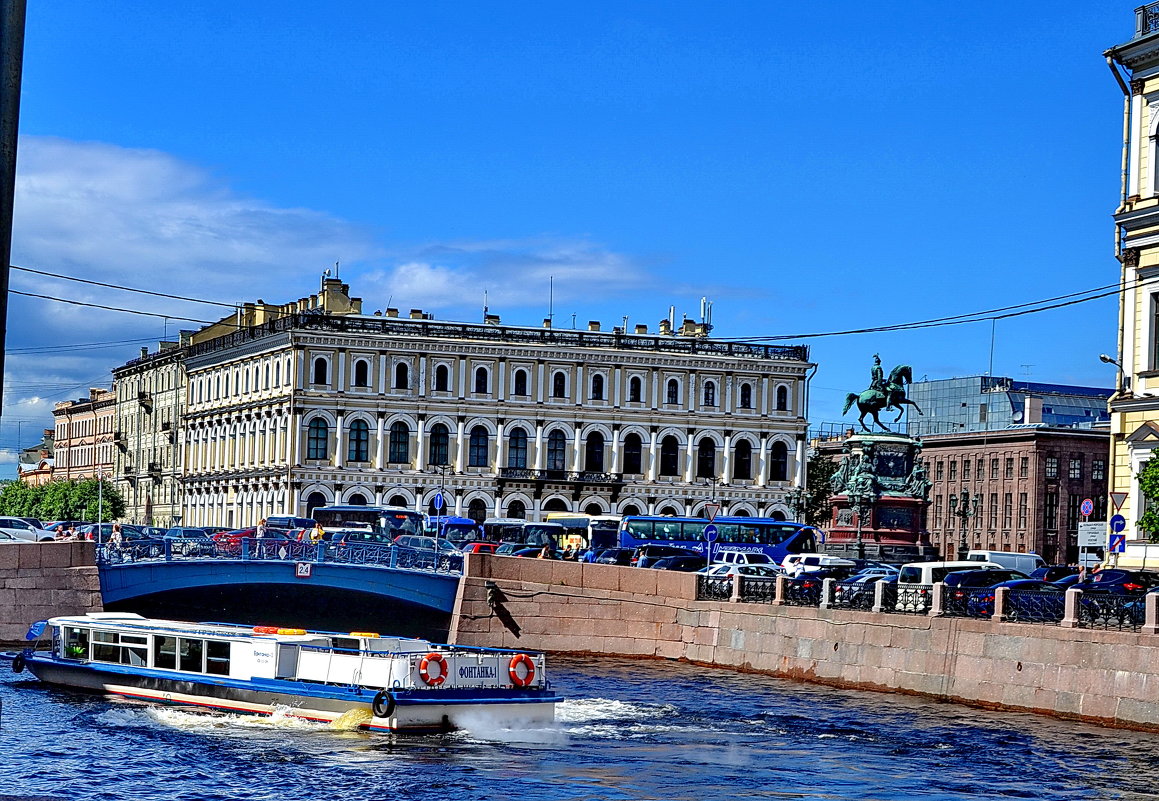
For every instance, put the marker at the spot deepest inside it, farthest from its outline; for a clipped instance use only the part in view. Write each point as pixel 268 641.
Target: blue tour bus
pixel 386 522
pixel 459 530
pixel 775 538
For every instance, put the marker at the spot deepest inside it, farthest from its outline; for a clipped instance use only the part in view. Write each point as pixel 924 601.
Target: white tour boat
pixel 395 684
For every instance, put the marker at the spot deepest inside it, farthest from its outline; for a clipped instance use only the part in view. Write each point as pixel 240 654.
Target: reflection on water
pixel 628 730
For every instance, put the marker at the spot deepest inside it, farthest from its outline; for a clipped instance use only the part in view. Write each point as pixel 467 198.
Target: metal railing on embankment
pixel 251 549
pixel 1073 608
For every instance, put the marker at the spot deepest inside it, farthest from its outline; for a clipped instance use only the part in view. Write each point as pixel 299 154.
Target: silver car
pixel 23 530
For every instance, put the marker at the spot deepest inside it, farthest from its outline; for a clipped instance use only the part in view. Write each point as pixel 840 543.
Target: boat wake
pixel 192 720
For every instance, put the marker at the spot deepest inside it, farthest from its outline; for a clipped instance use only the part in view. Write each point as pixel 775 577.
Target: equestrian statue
pixel 883 394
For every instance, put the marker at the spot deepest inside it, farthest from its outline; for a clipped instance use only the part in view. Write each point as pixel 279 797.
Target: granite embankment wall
pixel 40 580
pixel 1105 677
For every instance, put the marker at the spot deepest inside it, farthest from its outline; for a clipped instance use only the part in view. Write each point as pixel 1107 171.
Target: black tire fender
pixel 383 704
pixel 18 664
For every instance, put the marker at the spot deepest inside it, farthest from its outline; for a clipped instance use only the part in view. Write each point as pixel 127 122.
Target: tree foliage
pixel 820 469
pixel 75 499
pixel 1149 487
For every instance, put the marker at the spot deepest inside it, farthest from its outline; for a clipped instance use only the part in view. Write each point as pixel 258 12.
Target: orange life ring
pixel 425 665
pixel 265 629
pixel 513 670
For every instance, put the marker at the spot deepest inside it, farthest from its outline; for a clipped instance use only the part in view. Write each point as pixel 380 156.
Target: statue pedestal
pixel 885 473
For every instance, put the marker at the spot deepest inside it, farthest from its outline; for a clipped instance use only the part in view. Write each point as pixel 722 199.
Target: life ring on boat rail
pixel 18 663
pixel 433 658
pixel 290 631
pixel 265 629
pixel 383 704
pixel 513 670
pixel 364 634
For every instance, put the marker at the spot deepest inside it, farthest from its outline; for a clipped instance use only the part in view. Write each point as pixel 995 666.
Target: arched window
pixel 442 378
pixel 517 448
pixel 317 439
pixel 594 453
pixel 361 373
pixel 320 371
pixel 477 510
pixel 481 381
pixel 782 399
pixel 520 383
pixel 739 513
pixel 247 380
pixel 669 456
pixel 556 450
pixel 630 509
pixel 597 387
pixel 779 462
pixel 359 449
pixel 313 501
pixel 559 385
pixel 401 376
pixel 593 509
pixel 673 395
pixel 709 393
pixel 440 445
pixel 478 446
pixel 742 460
pixel 635 389
pixel 670 511
pixel 633 454
pixel 277 374
pixel 266 377
pixel 705 458
pixel 746 396
pixel 517 509
pixel 399 452
pixel 357 499
pixel 555 505
pixel 400 500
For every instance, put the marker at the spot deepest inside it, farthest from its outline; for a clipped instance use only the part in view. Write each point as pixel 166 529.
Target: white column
pixel 500 448
pixel 380 454
pixel 462 378
pixel 617 387
pixel 295 439
pixel 577 445
pixel 655 389
pixel 580 389
pixel 728 382
pixel 539 388
pixel 690 459
pixel 1140 140
pixel 340 373
pixel 801 463
pixel 763 462
pixel 421 378
pixel 692 398
pixel 420 450
pixel 653 458
pixel 726 474
pixel 501 380
pixel 539 455
pixel 340 441
pixel 384 375
pixel 460 443
pixel 617 450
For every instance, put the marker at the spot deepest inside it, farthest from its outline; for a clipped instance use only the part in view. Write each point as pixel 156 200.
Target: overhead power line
pixel 125 288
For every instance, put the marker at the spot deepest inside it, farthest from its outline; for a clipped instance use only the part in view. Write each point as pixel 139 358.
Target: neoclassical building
pixel 313 403
pixel 83 436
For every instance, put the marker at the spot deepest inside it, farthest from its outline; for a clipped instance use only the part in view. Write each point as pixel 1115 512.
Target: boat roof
pixel 131 620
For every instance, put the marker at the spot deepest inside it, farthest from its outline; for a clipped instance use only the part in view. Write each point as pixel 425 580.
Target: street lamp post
pixel 964 508
pixel 860 503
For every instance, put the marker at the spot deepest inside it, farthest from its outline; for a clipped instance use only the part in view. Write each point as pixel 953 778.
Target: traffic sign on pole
pixel 710 534
pixel 1118 523
pixel 438 500
pixel 1117 543
pixel 711 510
pixel 1117 499
pixel 1087 507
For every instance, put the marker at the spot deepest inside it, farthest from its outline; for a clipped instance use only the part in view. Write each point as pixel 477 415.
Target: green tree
pixel 1149 487
pixel 97 503
pixel 19 499
pixel 819 469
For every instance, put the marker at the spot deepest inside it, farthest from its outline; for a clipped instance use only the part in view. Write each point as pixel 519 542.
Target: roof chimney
pixel 641 328
pixel 665 328
pixel 547 322
pixel 593 325
pixel 392 312
pixel 416 314
pixel 490 319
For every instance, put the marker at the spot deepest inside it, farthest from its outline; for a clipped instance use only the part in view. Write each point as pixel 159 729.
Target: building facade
pixel 34 465
pixel 314 403
pixel 1135 407
pixel 147 453
pixel 1030 482
pixel 84 436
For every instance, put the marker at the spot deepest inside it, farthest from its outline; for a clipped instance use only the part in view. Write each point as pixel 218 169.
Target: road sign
pixel 1117 543
pixel 438 500
pixel 1092 534
pixel 711 510
pixel 1088 507
pixel 710 532
pixel 1117 499
pixel 1118 523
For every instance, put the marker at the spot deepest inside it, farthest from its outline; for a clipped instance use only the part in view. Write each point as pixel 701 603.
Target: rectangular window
pixel 1072 513
pixel 937 511
pixel 217 657
pixel 941 470
pixel 1155 331
pixel 994 468
pixel 1050 511
pixel 983 412
pixel 966 469
pixel 1007 510
pixel 1076 467
pixel 980 473
pixel 1098 470
pixel 191 654
pixel 1024 467
pixel 1052 467
pixel 1022 511
pixel 954 470
pixel 1009 473
pixel 994 509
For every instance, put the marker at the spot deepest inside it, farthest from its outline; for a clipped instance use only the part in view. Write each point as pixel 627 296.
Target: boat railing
pixel 252 549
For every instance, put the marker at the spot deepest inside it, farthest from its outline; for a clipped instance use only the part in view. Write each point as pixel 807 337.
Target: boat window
pixel 345 644
pixel 165 652
pixel 191 652
pixel 76 643
pixel 124 649
pixel 217 657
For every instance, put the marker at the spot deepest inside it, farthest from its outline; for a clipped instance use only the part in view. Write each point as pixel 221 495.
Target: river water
pixel 628 730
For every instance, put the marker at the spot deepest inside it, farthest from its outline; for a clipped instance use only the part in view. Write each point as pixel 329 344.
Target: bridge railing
pixel 251 549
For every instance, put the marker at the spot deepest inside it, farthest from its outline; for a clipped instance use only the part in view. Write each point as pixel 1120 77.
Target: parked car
pixel 480 547
pixel 759 571
pixel 1053 572
pixel 100 532
pixel 857 591
pixel 58 525
pixel 797 563
pixel 23 530
pixel 615 556
pixel 1024 562
pixel 5 538
pixel 916 579
pixel 645 555
pixel 683 564
pixel 287 522
pixel 722 557
pixel 424 543
pixel 959 583
pixel 358 535
pixel 1045 608
pixel 189 541
pixel 1119 582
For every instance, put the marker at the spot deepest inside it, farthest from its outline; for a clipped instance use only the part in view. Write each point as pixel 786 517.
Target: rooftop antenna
pixel 325 275
pixel 484 305
pixel 573 320
pixel 625 329
pixel 672 317
pixel 551 297
pixel 335 269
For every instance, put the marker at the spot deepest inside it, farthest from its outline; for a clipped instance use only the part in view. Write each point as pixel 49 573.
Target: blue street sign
pixel 1118 543
pixel 438 500
pixel 710 532
pixel 1118 523
pixel 1087 508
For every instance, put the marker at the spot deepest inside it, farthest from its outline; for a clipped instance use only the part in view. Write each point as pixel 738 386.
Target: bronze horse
pixel 872 401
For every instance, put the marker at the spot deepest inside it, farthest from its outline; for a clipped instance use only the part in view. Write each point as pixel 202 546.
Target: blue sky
pixel 808 167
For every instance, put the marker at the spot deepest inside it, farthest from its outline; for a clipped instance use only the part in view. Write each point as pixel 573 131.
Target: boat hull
pixel 409 711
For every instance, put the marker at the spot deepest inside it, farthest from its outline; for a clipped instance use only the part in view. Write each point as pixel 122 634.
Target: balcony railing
pixel 569 476
pixel 1146 19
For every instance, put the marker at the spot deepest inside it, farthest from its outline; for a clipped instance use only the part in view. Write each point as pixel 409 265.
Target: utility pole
pixel 11 69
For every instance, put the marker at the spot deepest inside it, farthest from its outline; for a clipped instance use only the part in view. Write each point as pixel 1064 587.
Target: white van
pixel 742 558
pixel 1026 562
pixel 914 581
pixel 797 563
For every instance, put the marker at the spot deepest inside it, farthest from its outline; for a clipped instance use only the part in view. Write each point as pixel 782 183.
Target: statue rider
pixel 877 375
